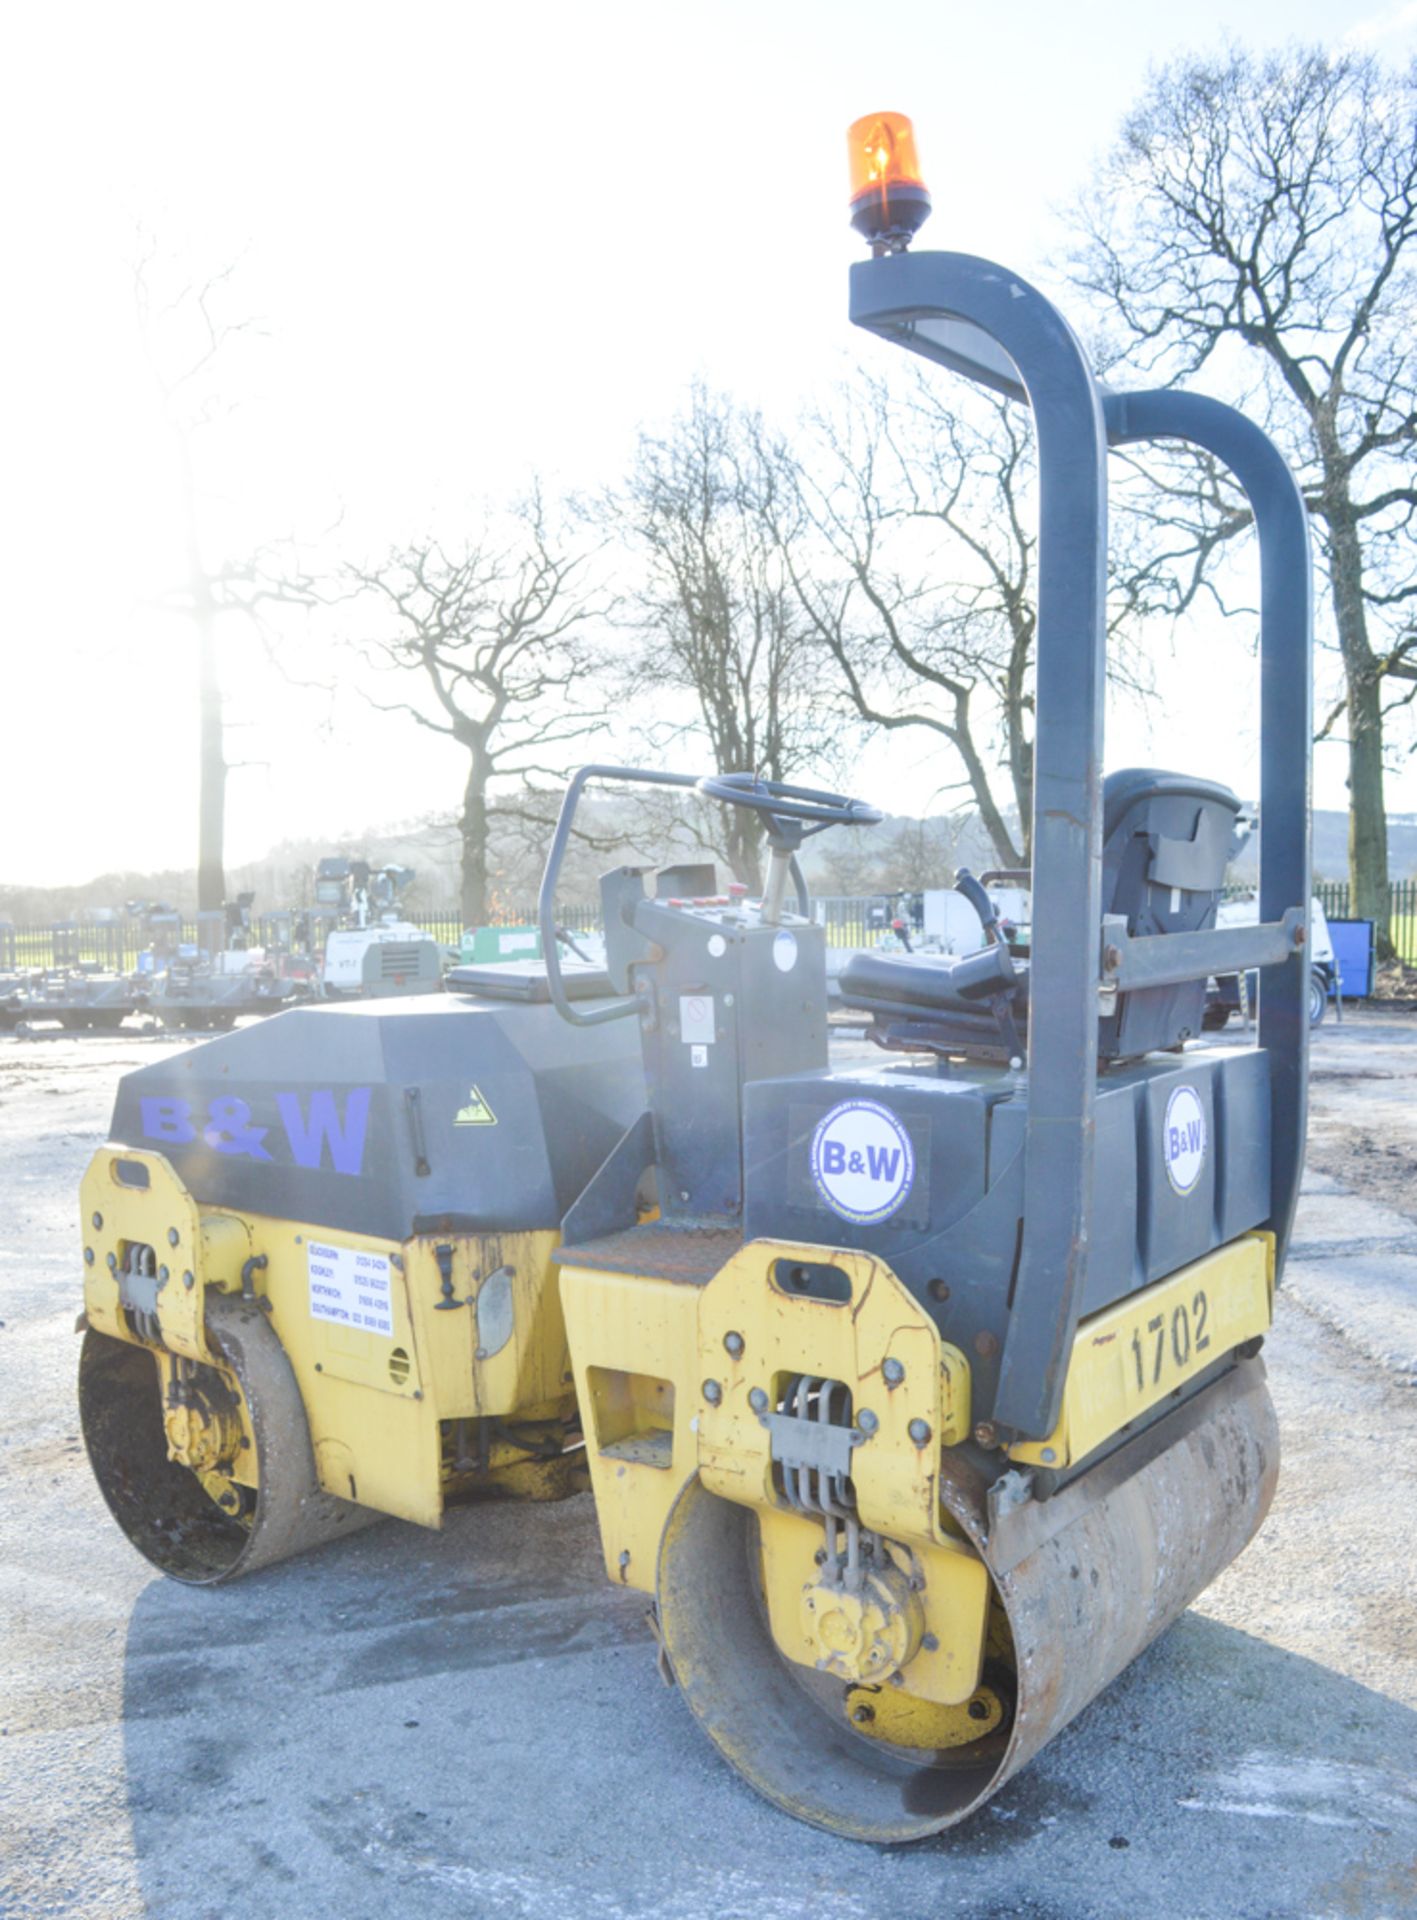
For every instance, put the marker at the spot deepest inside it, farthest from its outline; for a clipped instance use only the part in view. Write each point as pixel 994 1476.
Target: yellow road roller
pixel 917 1396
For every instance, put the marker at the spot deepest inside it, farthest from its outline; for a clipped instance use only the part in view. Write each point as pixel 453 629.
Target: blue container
pixel 1355 950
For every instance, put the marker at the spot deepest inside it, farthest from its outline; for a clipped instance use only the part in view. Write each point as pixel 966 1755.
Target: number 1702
pixel 1187 1335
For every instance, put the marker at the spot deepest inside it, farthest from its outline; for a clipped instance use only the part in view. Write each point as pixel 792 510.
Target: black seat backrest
pixel 1166 842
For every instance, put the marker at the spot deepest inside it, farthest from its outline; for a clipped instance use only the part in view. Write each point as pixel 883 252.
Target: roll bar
pixel 980 320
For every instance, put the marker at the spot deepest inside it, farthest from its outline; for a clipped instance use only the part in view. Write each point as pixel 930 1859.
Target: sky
pixel 476 243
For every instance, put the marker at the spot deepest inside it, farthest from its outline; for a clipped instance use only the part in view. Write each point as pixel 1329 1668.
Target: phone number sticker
pixel 350 1288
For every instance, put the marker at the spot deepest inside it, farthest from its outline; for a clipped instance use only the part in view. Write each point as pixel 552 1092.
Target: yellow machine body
pixel 680 1385
pixel 466 1342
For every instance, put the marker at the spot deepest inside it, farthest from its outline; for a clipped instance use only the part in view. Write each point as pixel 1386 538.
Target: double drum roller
pixel 918 1398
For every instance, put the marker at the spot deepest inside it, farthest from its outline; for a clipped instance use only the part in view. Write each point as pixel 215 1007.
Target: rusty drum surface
pixel 1086 1580
pixel 161 1506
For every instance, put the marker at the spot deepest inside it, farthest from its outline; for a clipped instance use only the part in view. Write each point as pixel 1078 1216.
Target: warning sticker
pixel 350 1288
pixel 1183 1140
pixel 863 1162
pixel 696 1019
pixel 476 1112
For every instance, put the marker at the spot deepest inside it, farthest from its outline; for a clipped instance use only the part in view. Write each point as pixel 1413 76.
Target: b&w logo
pixel 862 1161
pixel 1183 1140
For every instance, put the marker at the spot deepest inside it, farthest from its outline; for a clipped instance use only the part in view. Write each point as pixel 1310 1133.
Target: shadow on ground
pixel 471 1724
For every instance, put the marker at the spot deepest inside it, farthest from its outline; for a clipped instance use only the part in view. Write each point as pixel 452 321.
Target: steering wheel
pixel 783 802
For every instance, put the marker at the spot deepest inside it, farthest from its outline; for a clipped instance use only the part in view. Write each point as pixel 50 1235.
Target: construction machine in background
pixel 370 952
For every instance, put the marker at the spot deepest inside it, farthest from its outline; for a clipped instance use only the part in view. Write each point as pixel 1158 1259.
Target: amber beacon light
pixel 889 200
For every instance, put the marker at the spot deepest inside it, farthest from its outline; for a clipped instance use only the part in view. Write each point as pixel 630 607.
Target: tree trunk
pixel 211 802
pixel 1016 708
pixel 211 789
pixel 743 845
pixel 1367 809
pixel 473 827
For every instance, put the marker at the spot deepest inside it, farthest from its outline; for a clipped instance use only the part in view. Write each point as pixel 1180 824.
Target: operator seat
pixel 1166 841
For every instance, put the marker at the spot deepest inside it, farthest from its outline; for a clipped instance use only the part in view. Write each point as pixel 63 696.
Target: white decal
pixel 350 1288
pixel 784 951
pixel 696 1018
pixel 717 946
pixel 1183 1140
pixel 862 1161
pixel 698 1056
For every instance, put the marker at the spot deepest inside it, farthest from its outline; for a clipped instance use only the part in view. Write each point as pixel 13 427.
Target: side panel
pixel 634 1341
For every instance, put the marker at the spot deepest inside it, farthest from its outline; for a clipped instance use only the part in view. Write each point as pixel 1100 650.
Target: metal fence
pixel 851 920
pixel 115 945
pixel 1333 897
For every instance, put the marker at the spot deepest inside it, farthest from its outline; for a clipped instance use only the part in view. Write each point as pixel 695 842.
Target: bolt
pixel 1112 958
pixel 863 1715
pixel 161 1275
pixel 919 1431
pixel 820 1556
pixel 986 1434
pixel 897 1679
pixel 979 1709
pixel 1049 1454
pixel 173 1236
pixel 931 1643
pixel 892 1372
pixel 733 1343
pixel 713 1392
pixel 758 1400
pixel 189 1281
pixel 684 1194
pixel 319 1366
pixel 97 1221
pixel 986 1344
pixel 867 1422
pixel 113 1263
pixel 88 1256
pixel 938 1290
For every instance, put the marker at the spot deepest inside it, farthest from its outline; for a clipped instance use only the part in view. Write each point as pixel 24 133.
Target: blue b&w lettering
pixel 863 1164
pixel 1183 1139
pixel 321 1129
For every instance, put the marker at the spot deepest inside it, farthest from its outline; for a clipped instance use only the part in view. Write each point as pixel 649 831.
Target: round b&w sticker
pixel 1183 1139
pixel 862 1161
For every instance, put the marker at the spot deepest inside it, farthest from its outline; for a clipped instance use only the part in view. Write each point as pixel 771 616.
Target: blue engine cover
pixel 393 1117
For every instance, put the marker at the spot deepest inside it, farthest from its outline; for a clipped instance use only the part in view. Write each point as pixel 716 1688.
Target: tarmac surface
pixel 469 1723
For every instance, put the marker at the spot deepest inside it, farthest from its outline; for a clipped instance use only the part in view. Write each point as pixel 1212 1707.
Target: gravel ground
pixel 469 1723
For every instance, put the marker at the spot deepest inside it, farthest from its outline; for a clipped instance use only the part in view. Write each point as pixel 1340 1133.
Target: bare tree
pixel 185 333
pixel 914 559
pixel 499 633
pixel 723 651
pixel 1258 216
pixel 900 855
